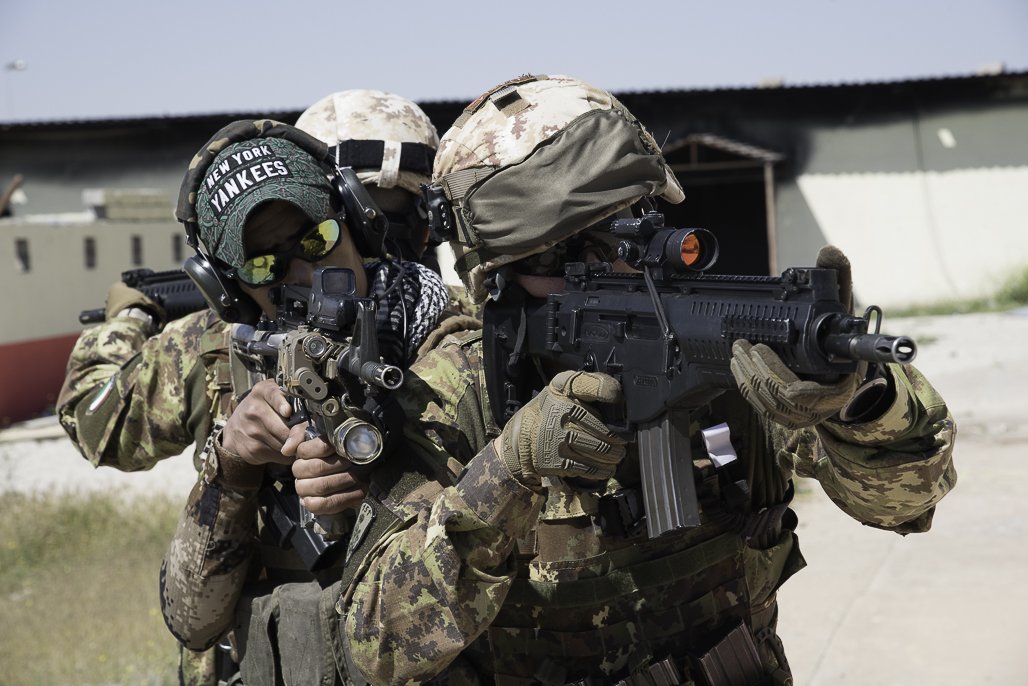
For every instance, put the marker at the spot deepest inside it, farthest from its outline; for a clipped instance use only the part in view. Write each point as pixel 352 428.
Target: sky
pixel 72 60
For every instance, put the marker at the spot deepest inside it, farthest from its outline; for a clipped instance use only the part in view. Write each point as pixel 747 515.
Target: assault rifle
pixel 173 290
pixel 666 334
pixel 322 349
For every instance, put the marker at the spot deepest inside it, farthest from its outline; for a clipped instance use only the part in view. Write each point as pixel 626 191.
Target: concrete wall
pixel 929 208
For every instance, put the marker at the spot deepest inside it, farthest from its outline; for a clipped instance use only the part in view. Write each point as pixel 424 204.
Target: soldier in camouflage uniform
pixel 137 392
pixel 509 576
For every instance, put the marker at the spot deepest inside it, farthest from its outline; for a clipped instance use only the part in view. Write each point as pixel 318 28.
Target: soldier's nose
pixel 300 272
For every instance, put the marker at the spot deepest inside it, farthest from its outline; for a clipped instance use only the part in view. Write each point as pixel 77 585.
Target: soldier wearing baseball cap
pixel 267 209
pixel 242 177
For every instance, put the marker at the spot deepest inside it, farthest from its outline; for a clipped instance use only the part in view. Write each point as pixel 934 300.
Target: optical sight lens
pixel 690 250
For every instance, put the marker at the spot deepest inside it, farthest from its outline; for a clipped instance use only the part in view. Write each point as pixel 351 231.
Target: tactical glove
pixel 777 393
pixel 774 390
pixel 830 257
pixel 558 434
pixel 121 297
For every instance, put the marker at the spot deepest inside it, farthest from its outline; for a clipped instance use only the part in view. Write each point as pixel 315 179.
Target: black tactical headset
pixel 367 224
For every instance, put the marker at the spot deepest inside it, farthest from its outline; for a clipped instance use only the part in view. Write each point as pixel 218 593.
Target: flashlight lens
pixel 362 443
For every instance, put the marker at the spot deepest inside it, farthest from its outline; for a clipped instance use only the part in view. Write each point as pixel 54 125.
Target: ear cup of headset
pixel 223 295
pixel 367 223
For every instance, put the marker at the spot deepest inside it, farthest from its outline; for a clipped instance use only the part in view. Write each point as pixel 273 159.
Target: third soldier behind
pixel 509 576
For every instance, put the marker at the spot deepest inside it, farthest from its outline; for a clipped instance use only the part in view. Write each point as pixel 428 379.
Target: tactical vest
pixel 592 608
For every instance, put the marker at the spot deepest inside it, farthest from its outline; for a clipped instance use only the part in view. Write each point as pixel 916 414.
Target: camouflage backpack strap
pixel 449 324
pixel 405 483
pixel 396 495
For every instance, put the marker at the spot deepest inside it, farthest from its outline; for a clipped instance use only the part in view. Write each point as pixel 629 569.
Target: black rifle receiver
pixel 666 334
pixel 172 289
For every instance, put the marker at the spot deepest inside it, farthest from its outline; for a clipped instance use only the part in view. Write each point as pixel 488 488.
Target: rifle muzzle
pixel 872 347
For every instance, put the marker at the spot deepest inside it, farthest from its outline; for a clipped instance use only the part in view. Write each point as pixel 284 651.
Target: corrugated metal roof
pixel 727 145
pixel 287 114
pixel 135 119
pixel 811 85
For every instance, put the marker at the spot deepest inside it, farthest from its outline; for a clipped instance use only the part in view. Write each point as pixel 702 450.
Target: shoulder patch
pixel 104 393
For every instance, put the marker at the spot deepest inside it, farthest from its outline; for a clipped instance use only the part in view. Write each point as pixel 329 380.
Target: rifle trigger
pixel 511 404
pixel 519 343
pixel 612 365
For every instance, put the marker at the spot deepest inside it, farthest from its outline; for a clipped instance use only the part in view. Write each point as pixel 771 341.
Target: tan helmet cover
pixel 373 115
pixel 536 160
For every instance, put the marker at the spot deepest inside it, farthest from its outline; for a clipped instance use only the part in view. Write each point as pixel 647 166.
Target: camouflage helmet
pixel 536 160
pixel 387 139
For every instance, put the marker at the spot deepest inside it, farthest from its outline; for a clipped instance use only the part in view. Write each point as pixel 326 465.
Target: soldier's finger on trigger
pixel 307 468
pixel 296 438
pixel 328 485
pixel 273 427
pixel 269 391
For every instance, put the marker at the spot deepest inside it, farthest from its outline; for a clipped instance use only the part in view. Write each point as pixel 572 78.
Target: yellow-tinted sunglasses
pixel 311 245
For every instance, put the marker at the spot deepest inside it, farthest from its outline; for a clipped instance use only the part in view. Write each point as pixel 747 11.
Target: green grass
pixel 1015 290
pixel 78 591
pixel 1013 293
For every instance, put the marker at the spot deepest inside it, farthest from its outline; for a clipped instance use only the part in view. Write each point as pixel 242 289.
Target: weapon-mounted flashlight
pixel 358 441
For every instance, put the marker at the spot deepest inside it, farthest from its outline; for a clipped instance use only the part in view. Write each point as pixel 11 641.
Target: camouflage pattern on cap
pixel 251 172
pixel 492 138
pixel 373 115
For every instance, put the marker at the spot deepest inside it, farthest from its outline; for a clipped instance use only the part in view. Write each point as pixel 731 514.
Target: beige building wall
pixel 45 300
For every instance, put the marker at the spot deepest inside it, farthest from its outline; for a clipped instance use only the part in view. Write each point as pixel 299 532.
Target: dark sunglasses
pixel 312 245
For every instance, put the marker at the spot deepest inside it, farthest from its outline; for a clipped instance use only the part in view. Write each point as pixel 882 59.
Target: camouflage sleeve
pixel 889 472
pixel 207 561
pixel 426 590
pixel 433 588
pixel 130 400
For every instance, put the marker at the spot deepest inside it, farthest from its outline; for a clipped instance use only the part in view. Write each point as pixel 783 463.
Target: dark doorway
pixel 726 191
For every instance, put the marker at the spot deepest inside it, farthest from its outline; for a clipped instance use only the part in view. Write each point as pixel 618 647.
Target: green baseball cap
pixel 251 172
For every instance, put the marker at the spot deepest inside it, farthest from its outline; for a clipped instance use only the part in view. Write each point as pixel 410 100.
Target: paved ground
pixel 943 607
pixel 871 607
pixel 37 457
